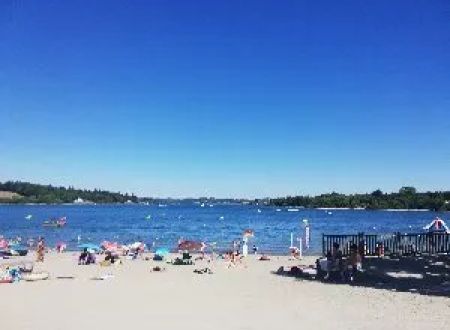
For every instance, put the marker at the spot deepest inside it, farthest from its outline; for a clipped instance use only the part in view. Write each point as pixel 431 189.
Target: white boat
pixel 28 217
pixel 293 210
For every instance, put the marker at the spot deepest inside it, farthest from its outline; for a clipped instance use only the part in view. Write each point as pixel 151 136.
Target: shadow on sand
pixel 427 275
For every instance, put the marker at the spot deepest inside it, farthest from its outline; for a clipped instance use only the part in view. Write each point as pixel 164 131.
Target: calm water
pixel 220 224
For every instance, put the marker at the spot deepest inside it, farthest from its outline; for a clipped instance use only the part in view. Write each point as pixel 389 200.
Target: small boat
pixel 28 217
pixel 39 276
pixel 293 210
pixel 148 217
pixel 259 211
pixel 278 210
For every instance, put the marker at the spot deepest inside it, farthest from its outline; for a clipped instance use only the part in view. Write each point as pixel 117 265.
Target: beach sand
pixel 246 297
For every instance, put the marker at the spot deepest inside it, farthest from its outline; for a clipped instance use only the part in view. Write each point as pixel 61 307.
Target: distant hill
pixel 25 192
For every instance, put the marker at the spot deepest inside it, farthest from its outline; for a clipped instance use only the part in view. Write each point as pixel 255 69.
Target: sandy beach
pixel 246 297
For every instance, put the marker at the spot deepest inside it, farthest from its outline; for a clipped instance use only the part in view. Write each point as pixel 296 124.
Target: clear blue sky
pixel 226 98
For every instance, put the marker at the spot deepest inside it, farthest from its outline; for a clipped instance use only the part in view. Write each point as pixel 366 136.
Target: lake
pixel 163 226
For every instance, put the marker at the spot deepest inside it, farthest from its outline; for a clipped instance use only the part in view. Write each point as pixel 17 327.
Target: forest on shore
pixel 25 192
pixel 17 192
pixel 405 198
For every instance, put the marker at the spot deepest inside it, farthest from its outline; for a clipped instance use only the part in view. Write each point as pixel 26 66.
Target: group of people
pixel 234 256
pixel 346 268
pixel 86 257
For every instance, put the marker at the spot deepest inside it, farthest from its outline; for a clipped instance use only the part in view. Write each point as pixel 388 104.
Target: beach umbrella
pixel 3 244
pixel 191 246
pixel 89 246
pixel 137 245
pixel 110 246
pixel 248 233
pixel 162 252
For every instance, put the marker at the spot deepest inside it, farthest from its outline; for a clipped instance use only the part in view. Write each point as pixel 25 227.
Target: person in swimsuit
pixel 40 250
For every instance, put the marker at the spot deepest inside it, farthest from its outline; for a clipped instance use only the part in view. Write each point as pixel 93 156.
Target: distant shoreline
pixel 271 206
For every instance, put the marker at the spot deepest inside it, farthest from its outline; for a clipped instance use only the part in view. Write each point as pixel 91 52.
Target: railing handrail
pixel 395 243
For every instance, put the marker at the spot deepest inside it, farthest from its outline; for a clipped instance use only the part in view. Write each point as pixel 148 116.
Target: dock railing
pixel 391 244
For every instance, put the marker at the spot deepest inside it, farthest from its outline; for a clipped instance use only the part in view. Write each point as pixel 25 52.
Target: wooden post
pixel 323 245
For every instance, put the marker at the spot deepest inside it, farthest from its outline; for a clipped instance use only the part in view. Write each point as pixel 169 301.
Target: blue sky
pixel 226 98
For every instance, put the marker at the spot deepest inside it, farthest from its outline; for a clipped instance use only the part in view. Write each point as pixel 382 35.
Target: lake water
pixel 221 224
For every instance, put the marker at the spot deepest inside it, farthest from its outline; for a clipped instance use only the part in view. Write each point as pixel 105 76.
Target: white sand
pixel 239 298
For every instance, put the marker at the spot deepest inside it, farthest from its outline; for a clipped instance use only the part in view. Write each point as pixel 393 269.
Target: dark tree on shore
pixel 37 193
pixel 406 198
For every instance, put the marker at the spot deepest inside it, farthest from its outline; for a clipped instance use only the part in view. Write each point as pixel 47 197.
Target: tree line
pixel 37 193
pixel 405 198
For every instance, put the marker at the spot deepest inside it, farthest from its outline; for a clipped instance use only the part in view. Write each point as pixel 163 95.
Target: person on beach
pixel 60 247
pixel 335 260
pixel 295 253
pixel 354 261
pixel 83 257
pixel 86 257
pixel 90 257
pixel 110 259
pixel 40 250
pixel 245 249
pixel 231 258
pixel 255 249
